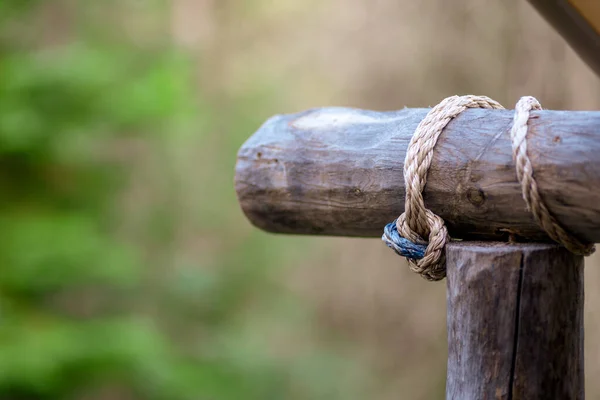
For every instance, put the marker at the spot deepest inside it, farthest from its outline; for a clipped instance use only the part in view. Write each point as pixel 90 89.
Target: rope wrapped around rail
pixel 420 235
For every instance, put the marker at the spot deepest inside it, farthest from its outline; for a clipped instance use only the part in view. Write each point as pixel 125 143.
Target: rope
pixel 403 247
pixel 529 186
pixel 417 222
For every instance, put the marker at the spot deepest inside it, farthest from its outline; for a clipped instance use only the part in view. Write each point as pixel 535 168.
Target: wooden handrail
pixel 578 22
pixel 338 171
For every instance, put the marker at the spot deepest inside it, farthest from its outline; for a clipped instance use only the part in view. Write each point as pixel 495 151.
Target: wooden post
pixel 515 311
pixel 515 322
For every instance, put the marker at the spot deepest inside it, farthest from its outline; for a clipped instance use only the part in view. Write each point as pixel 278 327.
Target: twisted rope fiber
pixel 418 222
pixel 529 186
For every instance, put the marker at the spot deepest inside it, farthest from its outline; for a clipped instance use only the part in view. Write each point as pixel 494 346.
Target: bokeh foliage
pixel 95 302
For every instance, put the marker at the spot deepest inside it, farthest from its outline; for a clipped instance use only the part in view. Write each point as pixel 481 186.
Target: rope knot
pixel 418 223
pixel 418 233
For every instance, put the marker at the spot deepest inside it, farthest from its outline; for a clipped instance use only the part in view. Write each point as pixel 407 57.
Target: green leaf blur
pixel 95 297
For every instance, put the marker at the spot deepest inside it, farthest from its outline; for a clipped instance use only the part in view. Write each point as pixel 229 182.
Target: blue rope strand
pixel 400 245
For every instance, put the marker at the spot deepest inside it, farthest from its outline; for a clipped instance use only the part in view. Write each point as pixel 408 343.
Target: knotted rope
pixel 418 223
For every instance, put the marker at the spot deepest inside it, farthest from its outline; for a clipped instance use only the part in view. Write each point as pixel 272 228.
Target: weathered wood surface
pixel 515 322
pixel 338 171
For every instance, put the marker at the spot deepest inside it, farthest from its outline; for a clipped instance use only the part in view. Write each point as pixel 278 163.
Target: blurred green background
pixel 127 270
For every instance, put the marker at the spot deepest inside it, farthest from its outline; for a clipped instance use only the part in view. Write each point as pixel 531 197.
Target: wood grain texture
pixel 515 322
pixel 338 171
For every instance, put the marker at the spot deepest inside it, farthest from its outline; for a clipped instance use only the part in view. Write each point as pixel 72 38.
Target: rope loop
pixel 529 187
pixel 418 227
